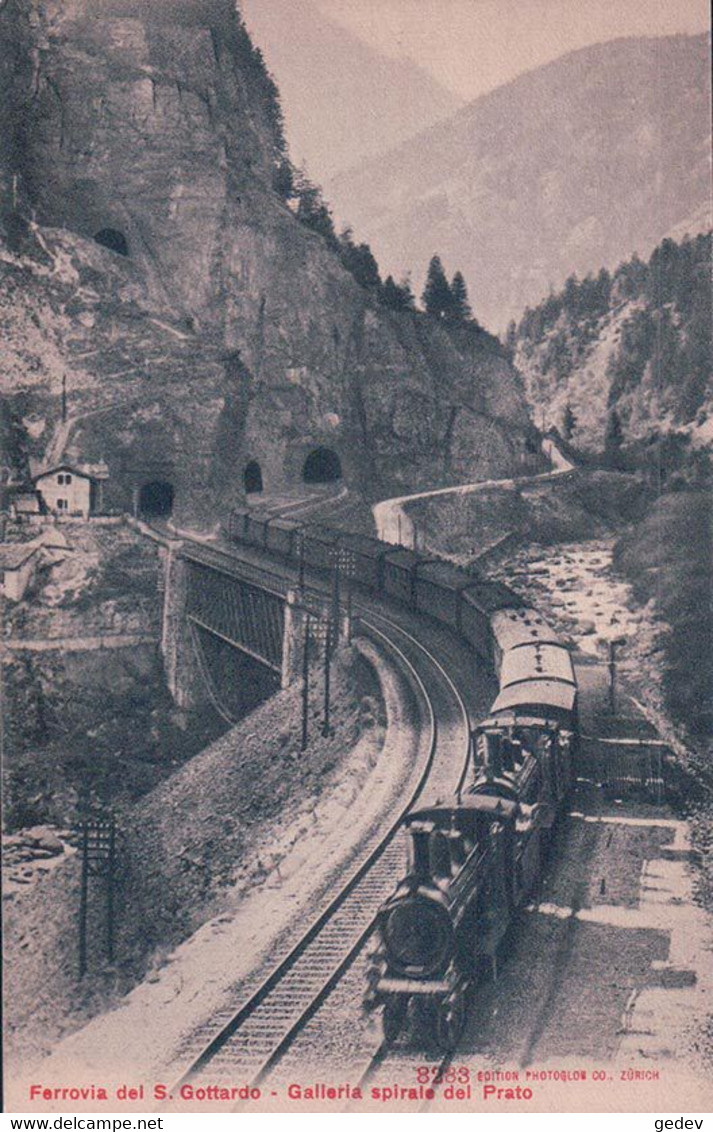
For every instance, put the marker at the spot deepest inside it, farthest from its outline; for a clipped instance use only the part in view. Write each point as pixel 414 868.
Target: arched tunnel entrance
pixel 322 466
pixel 156 499
pixel 252 477
pixel 112 239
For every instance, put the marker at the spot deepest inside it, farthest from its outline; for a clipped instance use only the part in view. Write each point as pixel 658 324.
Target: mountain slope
pixel 149 266
pixel 637 342
pixel 373 101
pixel 576 164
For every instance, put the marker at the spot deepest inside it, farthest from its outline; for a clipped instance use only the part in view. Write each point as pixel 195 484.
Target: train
pixel 473 860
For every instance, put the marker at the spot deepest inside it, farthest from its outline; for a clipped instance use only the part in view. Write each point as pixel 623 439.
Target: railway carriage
pixel 401 567
pixel 283 537
pixel 236 524
pixel 368 556
pixel 481 600
pixel 519 626
pixel 320 543
pixel 255 531
pixel 439 588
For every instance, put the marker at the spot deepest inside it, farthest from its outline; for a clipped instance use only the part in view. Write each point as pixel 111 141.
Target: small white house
pixel 18 562
pixel 66 490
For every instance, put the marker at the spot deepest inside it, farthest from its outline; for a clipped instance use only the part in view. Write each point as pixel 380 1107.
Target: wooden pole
pixel 301 581
pixel 110 892
pixel 305 684
pixel 612 677
pixel 84 892
pixel 327 678
pixel 333 621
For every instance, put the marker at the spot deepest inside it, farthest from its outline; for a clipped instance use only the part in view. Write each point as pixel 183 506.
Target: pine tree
pixel 460 307
pixel 569 422
pixel 613 439
pixel 436 298
pixel 359 260
pixel 312 211
pixel 404 286
pixel 397 296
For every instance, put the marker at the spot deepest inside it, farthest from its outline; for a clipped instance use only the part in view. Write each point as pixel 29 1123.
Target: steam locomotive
pixel 474 860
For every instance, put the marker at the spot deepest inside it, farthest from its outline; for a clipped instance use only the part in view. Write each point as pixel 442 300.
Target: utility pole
pixel 326 729
pixel 322 634
pixel 301 559
pixel 64 397
pixel 348 566
pixel 98 862
pixel 336 597
pixel 305 683
pixel 613 646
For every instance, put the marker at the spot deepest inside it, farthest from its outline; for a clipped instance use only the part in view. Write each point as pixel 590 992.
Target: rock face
pixel 572 166
pixel 149 264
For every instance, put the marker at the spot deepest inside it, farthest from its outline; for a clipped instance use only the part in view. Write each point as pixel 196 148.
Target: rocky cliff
pixel 149 265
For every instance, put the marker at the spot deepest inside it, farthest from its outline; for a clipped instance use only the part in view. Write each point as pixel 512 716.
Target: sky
pixel 472 46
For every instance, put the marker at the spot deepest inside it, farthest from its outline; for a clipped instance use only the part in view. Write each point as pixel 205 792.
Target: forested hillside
pixel 622 357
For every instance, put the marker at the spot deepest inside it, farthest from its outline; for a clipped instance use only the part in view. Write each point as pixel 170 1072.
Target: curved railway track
pixel 256 1035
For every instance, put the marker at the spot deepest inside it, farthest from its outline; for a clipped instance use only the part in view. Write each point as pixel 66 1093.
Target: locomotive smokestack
pixel 420 840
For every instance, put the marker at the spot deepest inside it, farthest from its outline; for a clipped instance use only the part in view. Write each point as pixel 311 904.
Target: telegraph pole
pixel 613 646
pixel 336 597
pixel 301 559
pixel 305 683
pixel 326 729
pixel 323 636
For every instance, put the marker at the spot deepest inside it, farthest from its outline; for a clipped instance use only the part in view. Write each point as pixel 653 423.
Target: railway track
pixel 255 1037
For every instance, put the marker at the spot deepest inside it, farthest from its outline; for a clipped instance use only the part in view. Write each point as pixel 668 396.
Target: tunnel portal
pixel 322 466
pixel 156 499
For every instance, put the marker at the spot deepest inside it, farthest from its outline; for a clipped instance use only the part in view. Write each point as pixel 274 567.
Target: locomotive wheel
pixel 393 1016
pixel 450 1020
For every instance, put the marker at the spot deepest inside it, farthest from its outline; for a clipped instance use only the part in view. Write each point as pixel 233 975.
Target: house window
pixel 62 505
pixel 64 477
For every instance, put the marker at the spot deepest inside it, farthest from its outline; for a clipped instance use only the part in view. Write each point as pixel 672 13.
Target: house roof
pixel 62 468
pixel 14 554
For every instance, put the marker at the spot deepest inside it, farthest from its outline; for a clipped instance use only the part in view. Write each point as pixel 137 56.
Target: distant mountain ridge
pixel 576 164
pixel 343 101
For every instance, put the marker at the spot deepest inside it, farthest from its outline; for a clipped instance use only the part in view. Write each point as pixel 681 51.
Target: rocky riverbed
pixel 583 596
